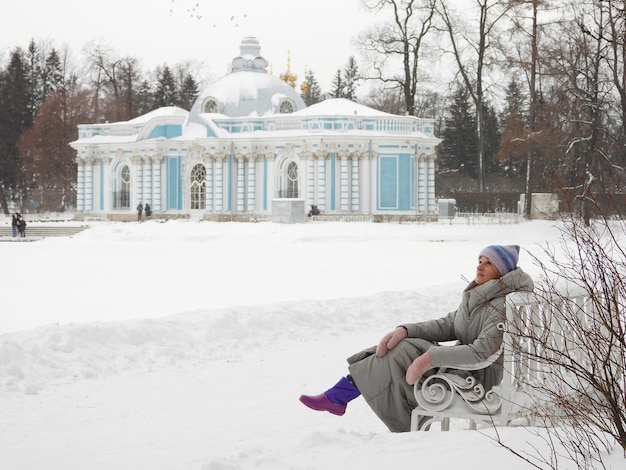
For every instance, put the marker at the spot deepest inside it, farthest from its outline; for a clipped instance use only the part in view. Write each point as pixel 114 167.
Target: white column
pixel 241 184
pixel 105 168
pixel 138 180
pixel 368 179
pixel 354 194
pixel 430 181
pixel 229 168
pixel 219 184
pixel 364 184
pixel 421 186
pixel 261 186
pixel 80 186
pixel 156 183
pixel 311 182
pixel 344 182
pixel 251 187
pixel 321 182
pixel 210 184
pixel 89 184
pixel 147 181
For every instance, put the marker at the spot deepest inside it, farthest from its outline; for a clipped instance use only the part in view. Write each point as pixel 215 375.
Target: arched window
pixel 286 107
pixel 210 106
pixel 123 197
pixel 198 187
pixel 292 180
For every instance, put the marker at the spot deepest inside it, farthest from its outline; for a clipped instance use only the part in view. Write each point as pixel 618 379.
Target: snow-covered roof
pixel 247 90
pixel 165 111
pixel 340 107
pixel 139 128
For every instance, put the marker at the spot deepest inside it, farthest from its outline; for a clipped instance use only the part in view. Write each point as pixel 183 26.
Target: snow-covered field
pixel 185 345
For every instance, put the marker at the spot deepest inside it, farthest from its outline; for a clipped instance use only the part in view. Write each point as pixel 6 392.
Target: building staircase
pixel 35 230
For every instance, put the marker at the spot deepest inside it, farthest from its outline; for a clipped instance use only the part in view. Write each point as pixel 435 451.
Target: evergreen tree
pixel 492 138
pixel 514 103
pixel 34 78
pixel 338 86
pixel 128 72
pixel 188 92
pixel 52 75
pixel 514 124
pixel 350 79
pixel 145 98
pixel 165 94
pixel 15 116
pixel 310 88
pixel 458 148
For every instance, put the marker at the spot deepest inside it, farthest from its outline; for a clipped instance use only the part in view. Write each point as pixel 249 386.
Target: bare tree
pixel 49 162
pixel 579 386
pixel 575 62
pixel 603 23
pixel 525 23
pixel 401 38
pixel 615 35
pixel 389 100
pixel 474 51
pixel 114 80
pixel 96 59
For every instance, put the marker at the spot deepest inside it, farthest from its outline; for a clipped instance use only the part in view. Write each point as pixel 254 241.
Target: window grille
pixel 198 187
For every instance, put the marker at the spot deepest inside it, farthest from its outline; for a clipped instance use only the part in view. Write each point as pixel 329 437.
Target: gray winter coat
pixel 474 325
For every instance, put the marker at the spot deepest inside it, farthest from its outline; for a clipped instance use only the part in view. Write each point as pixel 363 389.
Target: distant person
pixel 148 210
pixel 139 210
pixel 385 374
pixel 21 225
pixel 314 210
pixel 14 224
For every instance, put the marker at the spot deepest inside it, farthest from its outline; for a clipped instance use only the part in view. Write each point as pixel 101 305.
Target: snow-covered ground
pixel 185 345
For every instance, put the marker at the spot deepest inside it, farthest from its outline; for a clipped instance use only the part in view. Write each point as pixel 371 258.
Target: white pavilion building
pixel 249 141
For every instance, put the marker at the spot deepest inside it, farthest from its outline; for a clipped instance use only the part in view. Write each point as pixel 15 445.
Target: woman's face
pixel 486 270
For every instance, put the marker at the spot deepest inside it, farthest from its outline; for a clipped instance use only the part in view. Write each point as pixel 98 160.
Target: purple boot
pixel 333 400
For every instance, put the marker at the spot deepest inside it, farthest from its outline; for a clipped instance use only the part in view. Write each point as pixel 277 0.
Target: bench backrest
pixel 539 333
pixel 542 338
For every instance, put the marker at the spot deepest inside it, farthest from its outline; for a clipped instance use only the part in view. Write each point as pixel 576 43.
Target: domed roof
pixel 248 90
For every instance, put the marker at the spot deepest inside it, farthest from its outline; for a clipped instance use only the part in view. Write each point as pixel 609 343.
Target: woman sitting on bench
pixel 385 374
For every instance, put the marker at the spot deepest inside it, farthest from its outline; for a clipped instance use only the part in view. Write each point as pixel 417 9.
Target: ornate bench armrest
pixel 437 393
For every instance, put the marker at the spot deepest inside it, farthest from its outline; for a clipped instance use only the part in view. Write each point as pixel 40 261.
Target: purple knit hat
pixel 504 257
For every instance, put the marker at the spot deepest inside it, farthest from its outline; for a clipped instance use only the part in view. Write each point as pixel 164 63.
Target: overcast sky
pixel 318 34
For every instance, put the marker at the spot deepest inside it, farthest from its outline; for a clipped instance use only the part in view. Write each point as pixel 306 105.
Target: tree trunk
pixel 3 201
pixel 533 109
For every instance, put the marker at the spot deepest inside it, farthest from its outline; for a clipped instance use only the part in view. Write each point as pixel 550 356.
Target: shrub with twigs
pixel 579 389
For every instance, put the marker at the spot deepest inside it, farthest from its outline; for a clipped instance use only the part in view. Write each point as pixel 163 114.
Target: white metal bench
pixel 444 395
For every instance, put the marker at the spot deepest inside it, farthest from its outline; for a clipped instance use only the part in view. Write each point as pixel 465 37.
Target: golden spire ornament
pixel 289 77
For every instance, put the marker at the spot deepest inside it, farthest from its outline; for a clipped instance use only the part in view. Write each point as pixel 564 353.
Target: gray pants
pixel 381 381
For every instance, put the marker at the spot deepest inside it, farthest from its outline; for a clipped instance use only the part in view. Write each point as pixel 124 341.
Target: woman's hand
pixel 418 367
pixel 390 340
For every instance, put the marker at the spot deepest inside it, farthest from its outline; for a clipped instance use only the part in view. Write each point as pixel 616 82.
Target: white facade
pixel 249 139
